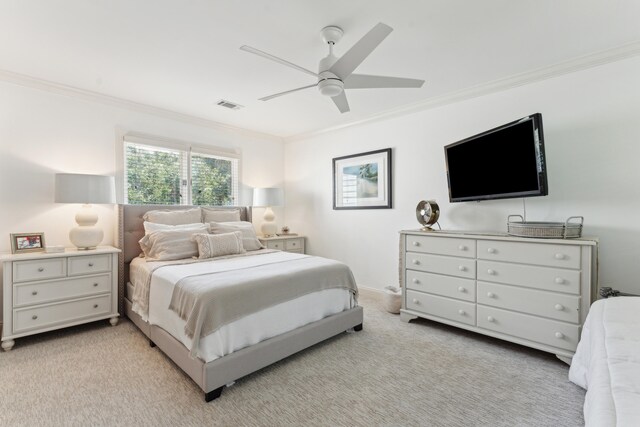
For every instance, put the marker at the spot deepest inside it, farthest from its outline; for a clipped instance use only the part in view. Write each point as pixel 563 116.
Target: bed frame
pixel 213 376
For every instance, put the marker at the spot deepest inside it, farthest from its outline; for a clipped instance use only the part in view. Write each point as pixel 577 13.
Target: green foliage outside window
pixel 212 181
pixel 152 176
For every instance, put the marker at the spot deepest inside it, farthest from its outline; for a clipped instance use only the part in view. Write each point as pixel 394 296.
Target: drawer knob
pixel 34 293
pixel 559 335
pixel 95 305
pixel 491 250
pixel 416 243
pixel 490 294
pixel 462 268
pixel 90 264
pixel 491 319
pixel 40 269
pixel 34 317
pixel 559 307
pixel 462 247
pixel 416 281
pixel 461 289
pixel 416 262
pixel 559 256
pixel 415 301
pixel 95 284
pixel 559 280
pixel 462 312
pixel 491 272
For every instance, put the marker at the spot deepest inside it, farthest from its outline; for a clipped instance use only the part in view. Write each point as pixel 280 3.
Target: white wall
pixel 592 133
pixel 43 133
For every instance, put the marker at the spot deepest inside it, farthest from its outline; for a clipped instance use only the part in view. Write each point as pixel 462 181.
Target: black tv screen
pixel 501 163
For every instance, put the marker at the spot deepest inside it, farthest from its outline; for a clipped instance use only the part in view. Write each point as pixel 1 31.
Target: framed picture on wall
pixel 27 242
pixel 362 181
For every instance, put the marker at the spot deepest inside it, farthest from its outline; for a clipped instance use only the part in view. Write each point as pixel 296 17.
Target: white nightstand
pixel 284 243
pixel 43 292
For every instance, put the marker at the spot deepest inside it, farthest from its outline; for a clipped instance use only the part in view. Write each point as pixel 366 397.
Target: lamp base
pixel 86 235
pixel 269 227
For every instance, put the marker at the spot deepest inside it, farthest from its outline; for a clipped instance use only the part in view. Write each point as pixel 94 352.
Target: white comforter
pixel 607 363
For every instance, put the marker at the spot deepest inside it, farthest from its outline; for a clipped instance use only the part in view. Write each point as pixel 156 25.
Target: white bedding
pixel 246 331
pixel 607 363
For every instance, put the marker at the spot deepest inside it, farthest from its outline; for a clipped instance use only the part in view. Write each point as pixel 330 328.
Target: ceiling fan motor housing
pixel 329 84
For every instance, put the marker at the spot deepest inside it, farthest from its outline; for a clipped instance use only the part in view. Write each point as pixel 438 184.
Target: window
pixel 157 172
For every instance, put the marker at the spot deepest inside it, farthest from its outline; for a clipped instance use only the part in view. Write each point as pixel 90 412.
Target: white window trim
pixel 174 144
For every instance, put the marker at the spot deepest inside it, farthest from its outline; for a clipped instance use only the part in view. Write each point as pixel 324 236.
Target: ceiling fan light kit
pixel 336 74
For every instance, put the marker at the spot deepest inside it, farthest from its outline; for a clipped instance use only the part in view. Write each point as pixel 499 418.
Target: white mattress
pixel 249 330
pixel 607 363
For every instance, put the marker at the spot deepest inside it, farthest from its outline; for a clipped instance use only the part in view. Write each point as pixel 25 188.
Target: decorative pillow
pixel 150 227
pixel 249 239
pixel 173 217
pixel 220 215
pixel 214 245
pixel 168 245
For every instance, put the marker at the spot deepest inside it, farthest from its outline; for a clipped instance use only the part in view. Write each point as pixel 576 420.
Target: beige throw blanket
pixel 210 300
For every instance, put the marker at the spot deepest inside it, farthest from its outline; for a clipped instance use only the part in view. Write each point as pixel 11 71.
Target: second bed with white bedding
pixel 245 331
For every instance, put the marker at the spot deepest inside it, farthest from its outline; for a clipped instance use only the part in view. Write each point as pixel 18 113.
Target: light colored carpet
pixel 390 374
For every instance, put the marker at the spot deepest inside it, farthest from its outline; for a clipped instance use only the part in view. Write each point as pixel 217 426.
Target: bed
pixel 607 363
pixel 250 340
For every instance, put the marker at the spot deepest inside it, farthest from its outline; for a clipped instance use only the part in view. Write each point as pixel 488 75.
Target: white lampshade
pixel 263 197
pixel 81 188
pixel 267 197
pixel 86 189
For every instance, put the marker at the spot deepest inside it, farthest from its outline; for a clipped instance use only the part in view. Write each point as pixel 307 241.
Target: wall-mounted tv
pixel 501 163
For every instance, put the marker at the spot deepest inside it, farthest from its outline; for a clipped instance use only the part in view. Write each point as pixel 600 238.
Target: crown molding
pixel 88 95
pixel 521 79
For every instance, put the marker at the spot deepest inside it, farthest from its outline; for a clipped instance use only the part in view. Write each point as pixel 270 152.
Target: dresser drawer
pixel 544 331
pixel 278 244
pixel 452 266
pixel 41 292
pixel 550 279
pixel 46 268
pixel 89 264
pixel 446 308
pixel 452 287
pixel 540 303
pixel 442 246
pixel 28 318
pixel 565 256
pixel 290 244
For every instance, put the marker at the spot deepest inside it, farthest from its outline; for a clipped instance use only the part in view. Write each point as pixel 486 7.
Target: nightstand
pixel 284 243
pixel 47 291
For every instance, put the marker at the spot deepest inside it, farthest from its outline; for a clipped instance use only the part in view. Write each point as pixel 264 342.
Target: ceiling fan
pixel 336 74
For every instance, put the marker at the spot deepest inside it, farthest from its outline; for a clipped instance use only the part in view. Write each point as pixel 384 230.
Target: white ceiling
pixel 184 55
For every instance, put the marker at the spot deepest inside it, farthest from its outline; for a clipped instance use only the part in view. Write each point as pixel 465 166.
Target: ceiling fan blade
pixel 364 81
pixel 341 102
pixel 276 59
pixel 359 51
pixel 266 98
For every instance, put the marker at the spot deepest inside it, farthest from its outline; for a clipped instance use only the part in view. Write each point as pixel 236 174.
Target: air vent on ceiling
pixel 228 104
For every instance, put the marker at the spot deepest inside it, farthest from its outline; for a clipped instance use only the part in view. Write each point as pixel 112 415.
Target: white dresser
pixel 534 292
pixel 43 292
pixel 284 243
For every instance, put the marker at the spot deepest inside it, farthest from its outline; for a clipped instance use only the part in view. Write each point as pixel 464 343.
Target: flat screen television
pixel 501 163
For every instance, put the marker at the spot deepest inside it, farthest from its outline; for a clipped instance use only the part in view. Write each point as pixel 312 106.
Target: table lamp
pixel 85 189
pixel 268 197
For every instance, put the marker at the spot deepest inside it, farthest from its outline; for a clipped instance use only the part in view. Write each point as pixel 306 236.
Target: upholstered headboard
pixel 131 230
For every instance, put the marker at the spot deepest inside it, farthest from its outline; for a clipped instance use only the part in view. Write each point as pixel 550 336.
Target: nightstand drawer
pixel 47 268
pixel 293 244
pixel 55 290
pixel 279 244
pixel 89 264
pixel 25 319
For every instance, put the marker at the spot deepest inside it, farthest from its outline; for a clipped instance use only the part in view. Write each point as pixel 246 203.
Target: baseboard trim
pixel 370 289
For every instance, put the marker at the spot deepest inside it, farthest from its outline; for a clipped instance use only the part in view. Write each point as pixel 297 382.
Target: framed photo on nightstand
pixel 27 242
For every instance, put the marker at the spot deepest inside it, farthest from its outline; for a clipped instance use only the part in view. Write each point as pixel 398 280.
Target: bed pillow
pixel 173 217
pixel 249 239
pixel 215 245
pixel 169 245
pixel 220 215
pixel 150 227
